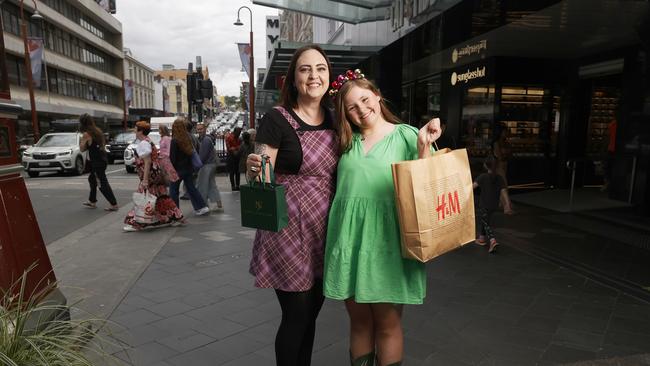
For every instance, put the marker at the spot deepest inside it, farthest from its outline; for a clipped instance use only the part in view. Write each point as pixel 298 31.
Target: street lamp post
pixel 251 71
pixel 28 67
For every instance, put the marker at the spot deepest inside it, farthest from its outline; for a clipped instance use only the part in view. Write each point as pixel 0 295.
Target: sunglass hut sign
pixel 467 76
pixel 463 77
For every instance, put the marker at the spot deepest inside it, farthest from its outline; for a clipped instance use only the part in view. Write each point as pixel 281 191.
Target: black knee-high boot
pixel 365 360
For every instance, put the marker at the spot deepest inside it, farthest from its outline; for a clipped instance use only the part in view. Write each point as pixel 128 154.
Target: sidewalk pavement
pixel 183 296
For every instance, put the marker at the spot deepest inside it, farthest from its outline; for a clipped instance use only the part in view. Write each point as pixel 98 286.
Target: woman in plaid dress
pixel 299 139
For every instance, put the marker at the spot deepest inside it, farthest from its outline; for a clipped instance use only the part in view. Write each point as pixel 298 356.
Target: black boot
pixel 365 360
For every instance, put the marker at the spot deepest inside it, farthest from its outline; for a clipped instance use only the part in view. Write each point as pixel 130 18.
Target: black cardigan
pixel 181 161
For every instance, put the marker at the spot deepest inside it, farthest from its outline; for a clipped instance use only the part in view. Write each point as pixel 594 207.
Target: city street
pixel 183 296
pixel 57 199
pixel 516 133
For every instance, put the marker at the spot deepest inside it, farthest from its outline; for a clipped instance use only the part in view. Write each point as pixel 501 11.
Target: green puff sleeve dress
pixel 363 257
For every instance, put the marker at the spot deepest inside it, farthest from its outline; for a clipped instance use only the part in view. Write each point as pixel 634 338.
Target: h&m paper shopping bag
pixel 435 204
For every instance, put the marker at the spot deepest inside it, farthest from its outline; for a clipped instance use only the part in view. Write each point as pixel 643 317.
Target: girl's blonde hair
pixel 179 133
pixel 343 126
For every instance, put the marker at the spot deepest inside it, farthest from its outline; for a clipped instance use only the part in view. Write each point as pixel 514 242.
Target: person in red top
pixel 233 145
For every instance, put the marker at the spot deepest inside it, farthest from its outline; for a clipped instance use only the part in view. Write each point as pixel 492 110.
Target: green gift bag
pixel 264 205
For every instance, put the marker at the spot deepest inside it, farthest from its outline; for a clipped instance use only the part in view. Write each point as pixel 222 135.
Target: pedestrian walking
pixel 180 154
pixel 233 145
pixel 363 262
pixel 93 141
pixel 502 152
pixel 247 147
pixel 165 144
pixel 493 189
pixel 206 181
pixel 195 145
pixel 299 139
pixel 166 211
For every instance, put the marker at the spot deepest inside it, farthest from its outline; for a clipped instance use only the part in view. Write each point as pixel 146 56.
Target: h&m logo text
pixel 448 205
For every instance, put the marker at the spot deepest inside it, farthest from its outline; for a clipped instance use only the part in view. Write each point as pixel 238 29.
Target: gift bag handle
pixel 267 160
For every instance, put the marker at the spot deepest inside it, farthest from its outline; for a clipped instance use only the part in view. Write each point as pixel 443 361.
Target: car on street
pixel 117 144
pixel 55 152
pixel 129 152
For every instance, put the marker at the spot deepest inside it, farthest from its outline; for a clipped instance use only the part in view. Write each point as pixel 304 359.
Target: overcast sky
pixel 175 32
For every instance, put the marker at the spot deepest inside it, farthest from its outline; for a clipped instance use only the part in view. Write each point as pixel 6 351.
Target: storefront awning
pixel 349 11
pixel 369 4
pixel 341 57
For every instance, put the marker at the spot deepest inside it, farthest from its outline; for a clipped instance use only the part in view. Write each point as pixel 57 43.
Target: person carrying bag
pixel 264 205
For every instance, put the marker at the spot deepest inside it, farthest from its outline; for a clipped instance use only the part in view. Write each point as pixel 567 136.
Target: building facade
pixel 82 68
pixel 296 27
pixel 176 81
pixel 177 90
pixel 170 72
pixel 161 94
pixel 142 82
pixel 553 75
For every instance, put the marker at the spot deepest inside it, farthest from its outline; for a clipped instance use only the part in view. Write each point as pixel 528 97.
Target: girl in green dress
pixel 363 261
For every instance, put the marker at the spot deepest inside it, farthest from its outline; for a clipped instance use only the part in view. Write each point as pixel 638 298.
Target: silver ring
pixel 253 169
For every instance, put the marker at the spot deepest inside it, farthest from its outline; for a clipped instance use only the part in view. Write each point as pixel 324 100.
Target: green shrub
pixel 30 335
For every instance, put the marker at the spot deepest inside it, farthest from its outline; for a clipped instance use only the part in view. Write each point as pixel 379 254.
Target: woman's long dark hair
pixel 182 137
pixel 87 124
pixel 289 93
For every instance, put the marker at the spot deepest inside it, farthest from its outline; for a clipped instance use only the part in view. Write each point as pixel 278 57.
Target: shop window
pixel 525 113
pixel 407 102
pixel 13 70
pixel 52 75
pixel 427 101
pixel 604 103
pixel 478 120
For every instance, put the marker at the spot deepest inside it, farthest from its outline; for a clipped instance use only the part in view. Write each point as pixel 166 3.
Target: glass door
pixel 478 120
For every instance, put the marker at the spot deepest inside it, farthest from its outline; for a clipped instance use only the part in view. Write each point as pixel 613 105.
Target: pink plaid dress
pixel 291 259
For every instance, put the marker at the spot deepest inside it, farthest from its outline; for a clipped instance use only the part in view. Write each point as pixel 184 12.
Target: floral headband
pixel 343 78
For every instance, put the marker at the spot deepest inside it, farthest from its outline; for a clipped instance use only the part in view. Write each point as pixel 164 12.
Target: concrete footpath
pixel 183 296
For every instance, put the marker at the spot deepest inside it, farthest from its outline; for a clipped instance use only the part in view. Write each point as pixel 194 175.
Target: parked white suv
pixel 55 152
pixel 129 156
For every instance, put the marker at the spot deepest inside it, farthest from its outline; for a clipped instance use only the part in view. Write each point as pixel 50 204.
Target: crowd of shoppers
pixel 172 165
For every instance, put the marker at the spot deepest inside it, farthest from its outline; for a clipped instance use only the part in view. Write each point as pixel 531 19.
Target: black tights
pixel 295 339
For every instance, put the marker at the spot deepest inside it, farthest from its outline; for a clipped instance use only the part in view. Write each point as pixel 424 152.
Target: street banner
pixel 35 46
pixel 244 55
pixel 128 92
pixel 108 5
pixel 105 5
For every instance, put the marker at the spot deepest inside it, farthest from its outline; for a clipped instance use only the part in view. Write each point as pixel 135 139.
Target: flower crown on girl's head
pixel 343 78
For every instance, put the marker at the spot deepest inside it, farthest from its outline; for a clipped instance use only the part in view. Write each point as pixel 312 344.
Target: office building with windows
pixel 141 78
pixel 82 68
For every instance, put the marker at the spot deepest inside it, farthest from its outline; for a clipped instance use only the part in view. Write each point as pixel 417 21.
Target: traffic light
pixel 206 88
pixel 191 87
